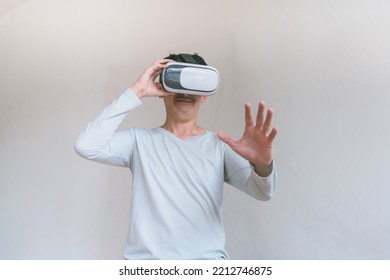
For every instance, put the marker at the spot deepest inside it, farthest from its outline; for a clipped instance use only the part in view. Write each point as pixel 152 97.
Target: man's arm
pixel 256 176
pixel 100 141
pixel 256 145
pixel 241 174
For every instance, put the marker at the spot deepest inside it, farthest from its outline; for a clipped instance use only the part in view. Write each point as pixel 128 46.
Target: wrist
pixel 139 91
pixel 263 170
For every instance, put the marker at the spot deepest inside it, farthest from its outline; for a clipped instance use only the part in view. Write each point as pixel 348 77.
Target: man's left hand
pixel 256 145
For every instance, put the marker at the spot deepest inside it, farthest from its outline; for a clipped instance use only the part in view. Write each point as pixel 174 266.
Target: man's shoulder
pixel 139 131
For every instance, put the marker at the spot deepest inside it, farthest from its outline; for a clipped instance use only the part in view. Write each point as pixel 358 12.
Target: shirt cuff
pixel 257 175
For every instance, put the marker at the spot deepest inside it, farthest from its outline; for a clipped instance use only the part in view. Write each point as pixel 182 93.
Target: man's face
pixel 183 106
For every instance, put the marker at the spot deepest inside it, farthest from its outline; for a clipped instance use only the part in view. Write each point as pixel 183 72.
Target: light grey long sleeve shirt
pixel 177 184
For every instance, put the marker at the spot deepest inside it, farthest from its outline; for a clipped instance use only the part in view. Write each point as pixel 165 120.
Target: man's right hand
pixel 146 84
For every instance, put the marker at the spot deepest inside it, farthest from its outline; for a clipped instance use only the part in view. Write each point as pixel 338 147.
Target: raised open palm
pixel 256 144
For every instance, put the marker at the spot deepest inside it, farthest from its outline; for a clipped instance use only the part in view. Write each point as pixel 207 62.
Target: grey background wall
pixel 324 67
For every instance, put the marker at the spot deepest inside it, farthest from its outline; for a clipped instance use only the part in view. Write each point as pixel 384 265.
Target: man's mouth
pixel 184 98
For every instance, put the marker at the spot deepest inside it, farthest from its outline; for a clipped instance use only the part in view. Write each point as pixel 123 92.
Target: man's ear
pixel 204 98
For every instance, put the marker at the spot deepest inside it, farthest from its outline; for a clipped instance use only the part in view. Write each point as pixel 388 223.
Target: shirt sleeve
pixel 101 142
pixel 241 174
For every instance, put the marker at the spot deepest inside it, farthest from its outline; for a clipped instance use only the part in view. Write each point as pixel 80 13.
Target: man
pixel 179 169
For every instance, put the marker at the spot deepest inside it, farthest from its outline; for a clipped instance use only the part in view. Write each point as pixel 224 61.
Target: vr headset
pixel 190 77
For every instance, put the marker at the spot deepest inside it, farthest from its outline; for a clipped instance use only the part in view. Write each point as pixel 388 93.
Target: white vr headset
pixel 189 78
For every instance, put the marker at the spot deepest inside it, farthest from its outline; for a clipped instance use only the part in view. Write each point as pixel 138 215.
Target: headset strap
pixel 188 58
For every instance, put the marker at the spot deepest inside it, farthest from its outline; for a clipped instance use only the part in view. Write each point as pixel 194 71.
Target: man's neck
pixel 183 130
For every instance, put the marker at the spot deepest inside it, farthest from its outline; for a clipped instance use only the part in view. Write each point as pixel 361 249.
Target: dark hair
pixel 179 58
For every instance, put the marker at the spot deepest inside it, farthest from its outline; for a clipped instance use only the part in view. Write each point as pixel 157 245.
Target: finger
pixel 260 114
pixel 248 115
pixel 165 60
pixel 162 91
pixel 156 74
pixel 227 139
pixel 157 68
pixel 166 93
pixel 272 134
pixel 162 63
pixel 158 86
pixel 159 65
pixel 268 120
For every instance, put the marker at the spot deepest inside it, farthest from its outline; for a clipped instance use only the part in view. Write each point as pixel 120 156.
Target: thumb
pixel 160 91
pixel 227 139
